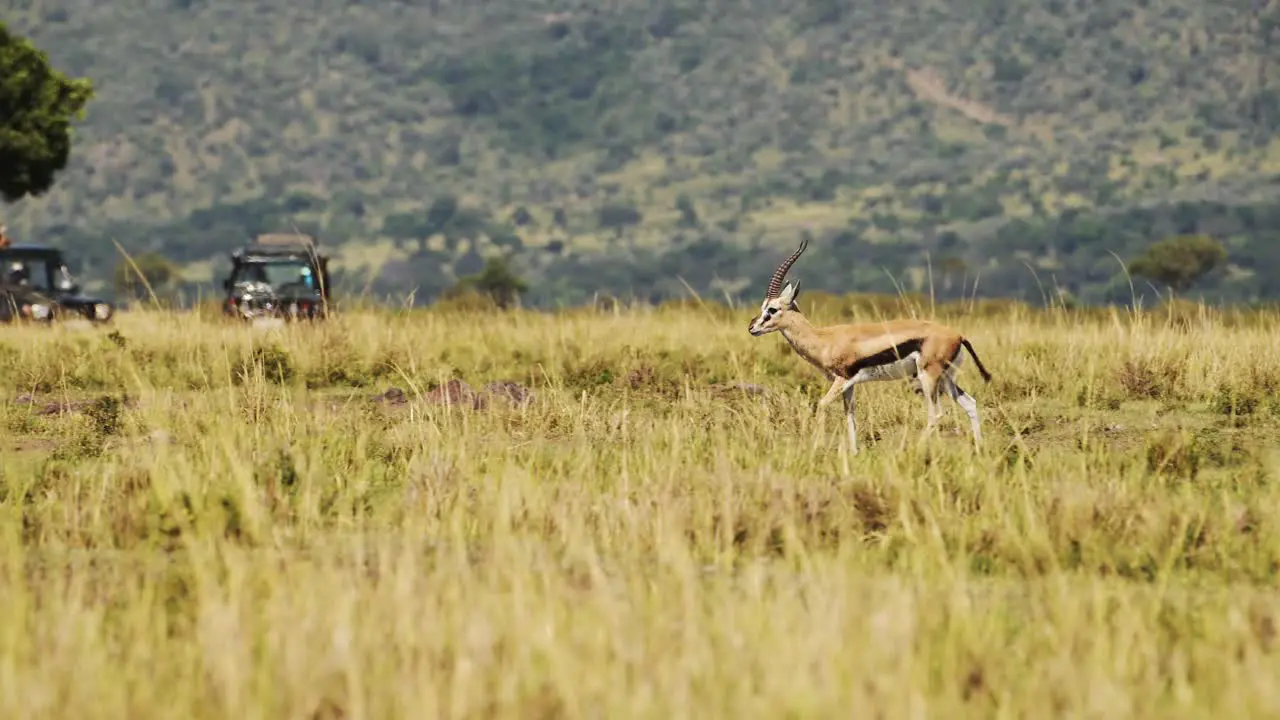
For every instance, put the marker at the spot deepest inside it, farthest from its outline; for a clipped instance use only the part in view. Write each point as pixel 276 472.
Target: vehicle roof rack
pixel 282 244
pixel 284 239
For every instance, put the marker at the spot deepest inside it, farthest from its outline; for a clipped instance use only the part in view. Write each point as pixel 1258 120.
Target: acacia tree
pixel 149 272
pixel 497 281
pixel 37 104
pixel 1180 261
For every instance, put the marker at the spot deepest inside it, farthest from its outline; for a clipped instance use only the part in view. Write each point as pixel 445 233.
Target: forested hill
pixel 633 146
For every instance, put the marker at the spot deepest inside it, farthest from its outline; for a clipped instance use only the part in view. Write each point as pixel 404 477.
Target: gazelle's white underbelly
pixel 898 370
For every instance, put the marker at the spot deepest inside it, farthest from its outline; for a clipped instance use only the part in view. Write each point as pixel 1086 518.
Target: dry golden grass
pixel 228 526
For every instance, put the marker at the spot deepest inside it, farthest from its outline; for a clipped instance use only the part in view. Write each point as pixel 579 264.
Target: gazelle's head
pixel 779 301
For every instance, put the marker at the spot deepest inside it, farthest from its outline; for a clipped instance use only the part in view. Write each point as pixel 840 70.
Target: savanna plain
pixel 636 512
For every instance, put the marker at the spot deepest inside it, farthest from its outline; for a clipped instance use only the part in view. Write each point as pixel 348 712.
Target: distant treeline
pixel 1078 257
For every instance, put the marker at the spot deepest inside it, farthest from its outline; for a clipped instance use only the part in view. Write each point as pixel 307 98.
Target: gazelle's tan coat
pixel 852 354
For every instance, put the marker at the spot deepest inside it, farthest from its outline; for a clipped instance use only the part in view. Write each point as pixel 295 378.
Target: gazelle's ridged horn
pixel 775 282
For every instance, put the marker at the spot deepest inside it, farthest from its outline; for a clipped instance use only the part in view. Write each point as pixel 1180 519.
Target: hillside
pixel 632 147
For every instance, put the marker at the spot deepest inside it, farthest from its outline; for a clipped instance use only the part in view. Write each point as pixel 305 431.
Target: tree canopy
pixel 37 104
pixel 149 273
pixel 1180 261
pixel 496 281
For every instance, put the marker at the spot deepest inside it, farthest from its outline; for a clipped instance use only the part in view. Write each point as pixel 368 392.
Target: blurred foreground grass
pixel 198 520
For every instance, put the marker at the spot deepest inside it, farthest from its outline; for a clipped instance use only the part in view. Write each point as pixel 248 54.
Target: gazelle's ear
pixel 790 292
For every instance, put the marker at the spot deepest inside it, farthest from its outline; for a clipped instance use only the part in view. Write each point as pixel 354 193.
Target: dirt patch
pixel 34 445
pixel 927 84
pixel 393 396
pixel 733 389
pixel 510 391
pixel 58 407
pixel 457 393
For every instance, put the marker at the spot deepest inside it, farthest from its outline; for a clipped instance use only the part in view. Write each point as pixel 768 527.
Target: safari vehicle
pixel 21 304
pixel 277 277
pixel 36 285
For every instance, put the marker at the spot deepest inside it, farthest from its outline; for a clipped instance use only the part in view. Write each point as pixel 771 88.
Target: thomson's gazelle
pixel 869 352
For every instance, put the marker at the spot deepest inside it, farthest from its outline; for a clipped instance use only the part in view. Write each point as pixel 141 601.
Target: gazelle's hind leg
pixel 966 403
pixel 929 378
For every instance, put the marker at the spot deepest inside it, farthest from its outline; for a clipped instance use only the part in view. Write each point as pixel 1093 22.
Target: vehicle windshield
pixel 277 273
pixel 41 272
pixel 62 279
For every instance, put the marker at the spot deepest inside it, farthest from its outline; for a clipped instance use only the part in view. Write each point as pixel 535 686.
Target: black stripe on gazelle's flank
pixel 887 356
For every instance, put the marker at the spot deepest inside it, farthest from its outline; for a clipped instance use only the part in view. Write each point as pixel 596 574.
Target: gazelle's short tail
pixel 986 376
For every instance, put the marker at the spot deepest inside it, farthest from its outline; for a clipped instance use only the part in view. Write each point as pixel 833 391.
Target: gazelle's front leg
pixel 836 384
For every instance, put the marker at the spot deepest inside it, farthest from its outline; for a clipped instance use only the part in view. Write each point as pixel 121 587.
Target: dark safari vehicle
pixel 278 277
pixel 37 286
